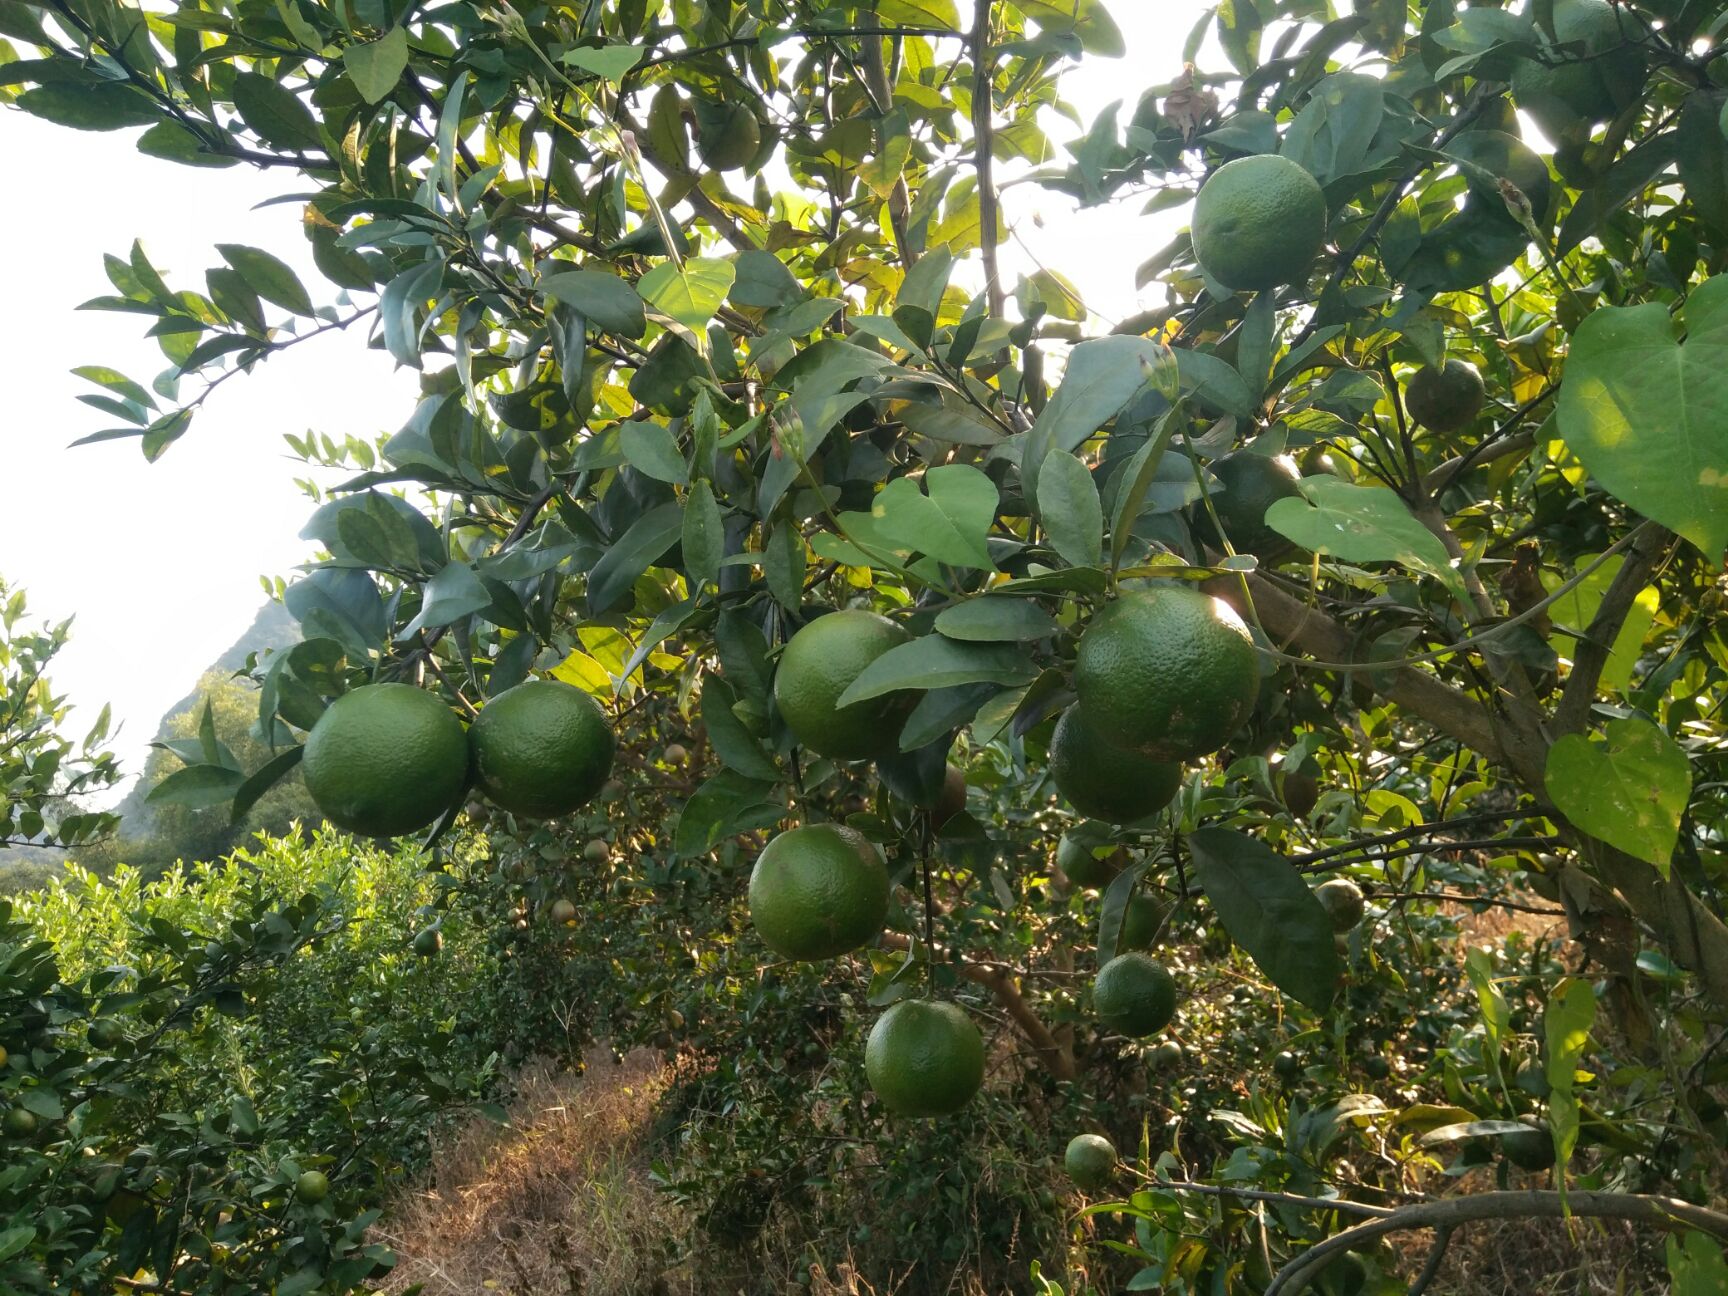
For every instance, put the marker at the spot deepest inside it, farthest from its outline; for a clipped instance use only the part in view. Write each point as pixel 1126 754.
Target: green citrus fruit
pixel 1252 484
pixel 1141 919
pixel 20 1123
pixel 105 1033
pixel 1377 1067
pixel 1134 994
pixel 562 913
pixel 1259 222
pixel 1105 782
pixel 385 759
pixel 597 852
pixel 1530 1149
pixel 1345 1276
pixel 1444 399
pixel 312 1187
pixel 818 665
pixel 1568 91
pixel 428 943
pixel 1090 1161
pixel 818 891
pixel 1167 1054
pixel 1343 902
pixel 951 799
pixel 1301 793
pixel 5 1057
pixel 1168 672
pixel 924 1058
pixel 1084 869
pixel 541 749
pixel 1287 1064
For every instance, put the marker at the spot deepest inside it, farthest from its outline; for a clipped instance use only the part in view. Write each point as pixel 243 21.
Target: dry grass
pixel 556 1201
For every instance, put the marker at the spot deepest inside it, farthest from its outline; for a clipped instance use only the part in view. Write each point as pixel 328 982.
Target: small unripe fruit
pixel 675 754
pixel 1287 1065
pixel 1343 902
pixel 20 1123
pixel 428 943
pixel 1301 793
pixel 563 912
pixel 597 852
pixel 105 1033
pixel 951 800
pixel 1377 1067
pixel 4 1056
pixel 1090 1161
pixel 312 1187
pixel 1167 1054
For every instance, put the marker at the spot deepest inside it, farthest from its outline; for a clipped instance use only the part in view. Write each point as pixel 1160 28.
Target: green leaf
pixel 88 107
pixel 1086 19
pixel 1213 382
pixel 271 773
pixel 273 114
pixel 607 301
pixel 1102 376
pixel 15 1239
pixel 174 143
pixel 268 276
pixel 116 382
pixel 1703 155
pixel 1269 910
pixel 456 591
pixel 1566 1023
pixel 609 62
pixel 1628 788
pixel 1696 1266
pixel 378 65
pixel 1360 524
pixel 919 13
pixel 783 565
pixel 763 282
pixel 727 804
pixel 732 741
pixel 1575 609
pixel 1648 416
pixel 950 524
pixel 934 662
pixel 1069 509
pixel 688 293
pixel 650 448
pixel 197 786
pixel 704 536
pixel 995 620
pixel 638 549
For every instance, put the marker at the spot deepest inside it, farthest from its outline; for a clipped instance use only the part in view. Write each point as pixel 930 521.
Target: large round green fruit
pixel 385 760
pixel 1134 994
pixel 924 1058
pixel 1090 1161
pixel 541 749
pixel 1447 398
pixel 1252 484
pixel 1568 91
pixel 818 892
pixel 1168 672
pixel 1105 782
pixel 818 665
pixel 1259 222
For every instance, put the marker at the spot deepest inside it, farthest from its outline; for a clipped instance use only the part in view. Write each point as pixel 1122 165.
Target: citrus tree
pixel 1395 532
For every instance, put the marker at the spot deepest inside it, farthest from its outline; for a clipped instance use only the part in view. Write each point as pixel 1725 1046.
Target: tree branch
pixel 1000 982
pixel 1594 649
pixel 983 147
pixel 1659 1212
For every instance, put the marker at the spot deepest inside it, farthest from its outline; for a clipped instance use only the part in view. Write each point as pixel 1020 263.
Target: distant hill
pixel 272 627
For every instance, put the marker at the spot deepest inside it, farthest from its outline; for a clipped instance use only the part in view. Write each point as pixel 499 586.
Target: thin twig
pixel 983 146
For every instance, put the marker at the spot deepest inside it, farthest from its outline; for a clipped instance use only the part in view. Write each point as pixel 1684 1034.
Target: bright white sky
pixel 161 563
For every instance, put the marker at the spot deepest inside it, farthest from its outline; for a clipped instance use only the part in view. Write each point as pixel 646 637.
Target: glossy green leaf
pixel 1628 788
pixel 377 66
pixel 1360 524
pixel 727 804
pixel 949 524
pixel 995 620
pixel 609 302
pixel 1648 414
pixel 935 661
pixel 688 293
pixel 1269 910
pixel 609 62
pixel 268 275
pixel 703 536
pixel 274 114
pixel 197 786
pixel 649 447
pixel 89 107
pixel 639 548
pixel 1069 510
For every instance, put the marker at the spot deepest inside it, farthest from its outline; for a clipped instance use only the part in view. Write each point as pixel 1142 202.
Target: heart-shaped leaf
pixel 1628 789
pixel 377 65
pixel 1648 415
pixel 609 62
pixel 1360 524
pixel 688 293
pixel 949 523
